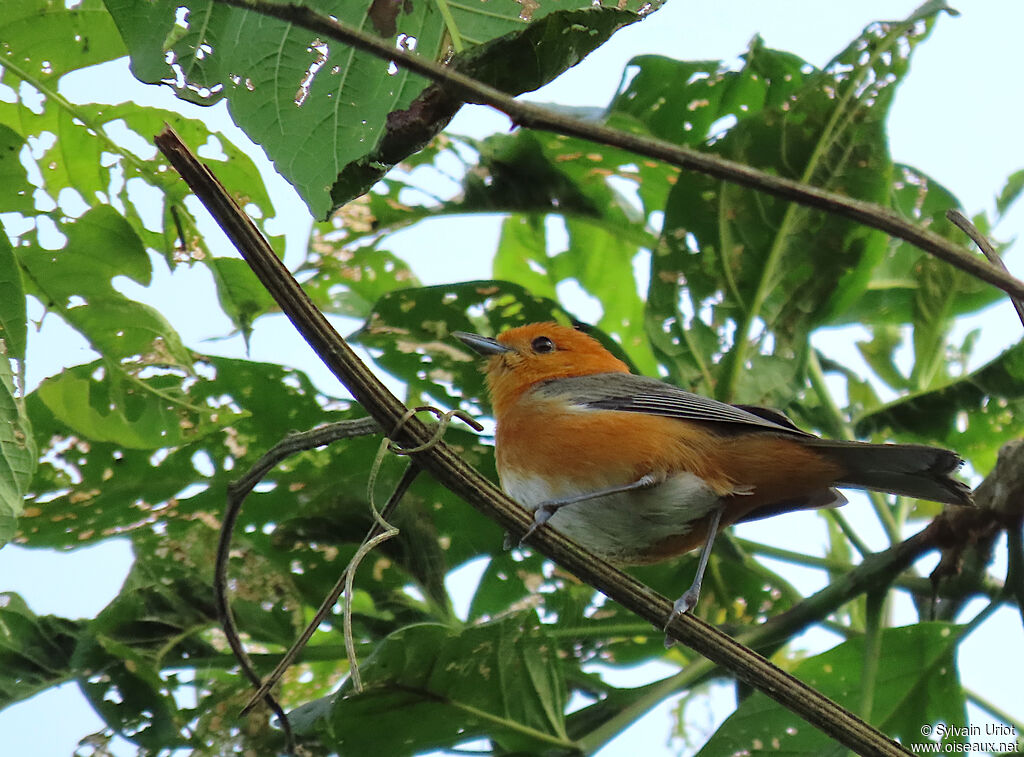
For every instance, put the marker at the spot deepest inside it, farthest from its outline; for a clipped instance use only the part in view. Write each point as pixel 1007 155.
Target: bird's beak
pixel 482 344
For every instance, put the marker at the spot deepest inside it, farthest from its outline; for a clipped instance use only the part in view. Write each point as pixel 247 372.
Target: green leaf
pixel 55 38
pixel 601 260
pixel 98 156
pixel 241 294
pixel 903 703
pixel 522 255
pixel 129 694
pixel 17 447
pixel 349 279
pixel 103 403
pixel 516 62
pixel 509 578
pixel 1010 192
pixel 13 320
pixel 325 92
pixel 975 414
pixel 35 651
pixel 430 686
pixel 880 354
pixel 15 190
pixel 683 101
pixel 747 259
pixel 900 286
pixel 17 452
pixel 93 487
pixel 76 281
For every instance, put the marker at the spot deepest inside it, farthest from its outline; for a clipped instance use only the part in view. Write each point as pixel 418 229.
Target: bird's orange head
pixel 525 356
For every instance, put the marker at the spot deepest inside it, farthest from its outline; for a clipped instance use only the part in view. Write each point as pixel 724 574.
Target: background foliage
pixel 718 289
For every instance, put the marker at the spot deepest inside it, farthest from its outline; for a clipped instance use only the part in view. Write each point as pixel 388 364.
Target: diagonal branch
pixel 465 88
pixel 453 472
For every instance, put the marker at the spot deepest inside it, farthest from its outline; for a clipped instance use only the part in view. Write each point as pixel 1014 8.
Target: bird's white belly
pixel 623 526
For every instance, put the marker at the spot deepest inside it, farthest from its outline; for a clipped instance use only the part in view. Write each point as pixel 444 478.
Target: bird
pixel 637 470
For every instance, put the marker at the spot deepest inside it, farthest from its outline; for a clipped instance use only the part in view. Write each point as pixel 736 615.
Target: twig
pixel 524 114
pixel 237 492
pixel 339 586
pixel 453 472
pixel 964 224
pixel 380 532
pixel 954 588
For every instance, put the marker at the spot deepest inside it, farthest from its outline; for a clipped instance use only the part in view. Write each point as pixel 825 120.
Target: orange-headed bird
pixel 637 470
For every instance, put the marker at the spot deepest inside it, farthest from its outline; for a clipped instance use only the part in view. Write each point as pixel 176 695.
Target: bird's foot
pixel 541 516
pixel 680 607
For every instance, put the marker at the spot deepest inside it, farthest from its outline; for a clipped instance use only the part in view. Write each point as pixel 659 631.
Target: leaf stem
pixel 450 25
pixel 848 531
pixel 911 583
pixel 509 724
pixel 872 650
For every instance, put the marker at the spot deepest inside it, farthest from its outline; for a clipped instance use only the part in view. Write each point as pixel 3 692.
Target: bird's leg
pixel 543 512
pixel 689 599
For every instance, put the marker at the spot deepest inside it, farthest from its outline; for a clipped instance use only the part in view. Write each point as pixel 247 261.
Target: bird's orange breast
pixel 572 450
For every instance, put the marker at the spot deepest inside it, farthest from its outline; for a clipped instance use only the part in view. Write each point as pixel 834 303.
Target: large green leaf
pixel 53 38
pixel 917 685
pixel 311 512
pixel 153 624
pixel 17 452
pixel 907 285
pixel 359 109
pixel 103 403
pixel 758 264
pixel 76 281
pixel 430 686
pixel 99 155
pixel 685 101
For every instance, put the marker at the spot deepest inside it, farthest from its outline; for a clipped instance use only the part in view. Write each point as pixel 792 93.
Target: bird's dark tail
pixel 912 470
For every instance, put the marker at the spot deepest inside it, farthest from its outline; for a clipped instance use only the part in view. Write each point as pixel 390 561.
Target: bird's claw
pixel 540 516
pixel 681 606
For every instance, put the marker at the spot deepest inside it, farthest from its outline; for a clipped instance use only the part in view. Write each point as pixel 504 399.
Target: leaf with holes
pixel 35 651
pixel 287 88
pixel 746 258
pixel 902 704
pixel 430 686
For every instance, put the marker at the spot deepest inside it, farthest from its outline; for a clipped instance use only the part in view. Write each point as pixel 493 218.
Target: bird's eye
pixel 542 344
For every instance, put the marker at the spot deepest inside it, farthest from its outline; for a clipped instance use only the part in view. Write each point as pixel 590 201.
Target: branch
pixel 968 228
pixel 463 87
pixel 453 472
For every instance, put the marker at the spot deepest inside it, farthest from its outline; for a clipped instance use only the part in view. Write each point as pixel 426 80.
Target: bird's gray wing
pixel 640 394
